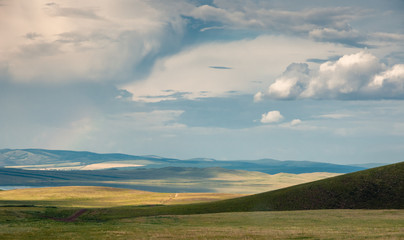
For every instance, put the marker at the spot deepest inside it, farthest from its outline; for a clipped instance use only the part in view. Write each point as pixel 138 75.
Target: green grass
pixel 378 188
pixel 249 217
pixel 315 224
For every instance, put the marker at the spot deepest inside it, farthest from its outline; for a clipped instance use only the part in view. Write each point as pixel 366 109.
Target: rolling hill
pixel 42 159
pixel 121 214
pixel 168 179
pixel 377 188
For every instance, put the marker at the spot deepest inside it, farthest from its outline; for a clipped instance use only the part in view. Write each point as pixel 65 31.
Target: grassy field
pixel 26 223
pixel 26 214
pixel 173 179
pixel 101 197
pixel 378 188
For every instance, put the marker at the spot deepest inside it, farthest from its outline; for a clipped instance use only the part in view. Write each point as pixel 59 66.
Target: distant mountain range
pixel 42 159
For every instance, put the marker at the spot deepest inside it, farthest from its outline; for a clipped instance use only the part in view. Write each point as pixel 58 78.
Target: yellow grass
pixel 93 197
pixel 255 182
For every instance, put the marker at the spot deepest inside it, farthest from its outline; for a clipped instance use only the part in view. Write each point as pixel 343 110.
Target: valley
pixel 362 205
pixel 169 179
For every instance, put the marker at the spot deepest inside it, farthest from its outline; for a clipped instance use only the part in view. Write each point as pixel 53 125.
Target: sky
pixel 231 80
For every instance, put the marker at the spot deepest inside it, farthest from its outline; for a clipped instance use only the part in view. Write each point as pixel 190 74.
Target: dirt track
pixel 169 199
pixel 73 217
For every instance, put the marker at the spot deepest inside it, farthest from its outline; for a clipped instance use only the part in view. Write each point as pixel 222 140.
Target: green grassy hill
pixel 246 217
pixel 378 188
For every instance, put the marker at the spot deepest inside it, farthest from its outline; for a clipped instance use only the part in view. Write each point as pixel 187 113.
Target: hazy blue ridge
pixel 21 157
pixel 369 165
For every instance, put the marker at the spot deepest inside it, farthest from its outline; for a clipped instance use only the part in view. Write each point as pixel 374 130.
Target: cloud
pixel 214 14
pixel 389 37
pixel 322 24
pixel 56 10
pixel 292 82
pixel 335 115
pixel 295 122
pixel 32 35
pixel 353 76
pixel 391 80
pixel 347 37
pixel 86 41
pixel 258 97
pixel 271 117
pixel 299 125
pixel 242 15
pixel 254 63
pixel 211 28
pixel 320 21
pixel 220 67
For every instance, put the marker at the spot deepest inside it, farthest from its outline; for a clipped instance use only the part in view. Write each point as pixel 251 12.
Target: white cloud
pixel 299 125
pixel 348 75
pixel 295 122
pixel 392 78
pixel 353 76
pixel 322 24
pixel 211 28
pixel 258 97
pixel 325 24
pixel 251 15
pixel 345 36
pixel 271 117
pixel 335 115
pixel 291 83
pixel 253 62
pixel 85 40
pixel 389 37
pixel 209 13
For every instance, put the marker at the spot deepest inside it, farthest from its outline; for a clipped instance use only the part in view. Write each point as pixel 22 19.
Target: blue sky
pixel 289 80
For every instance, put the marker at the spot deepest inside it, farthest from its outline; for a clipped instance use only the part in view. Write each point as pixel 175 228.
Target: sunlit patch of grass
pixel 314 224
pixel 98 197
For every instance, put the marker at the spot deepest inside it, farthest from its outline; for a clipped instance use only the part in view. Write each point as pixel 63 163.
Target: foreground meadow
pixel 27 223
pixel 361 205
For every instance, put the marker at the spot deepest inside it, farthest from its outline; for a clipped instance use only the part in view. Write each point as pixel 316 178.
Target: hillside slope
pixel 378 188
